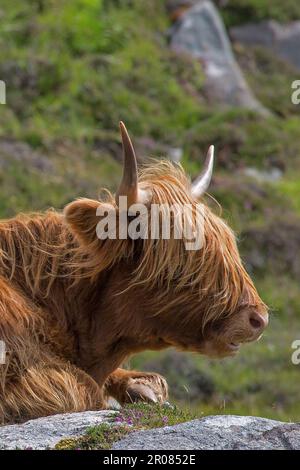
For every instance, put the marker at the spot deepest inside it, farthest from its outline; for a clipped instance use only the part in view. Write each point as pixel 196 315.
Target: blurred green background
pixel 73 69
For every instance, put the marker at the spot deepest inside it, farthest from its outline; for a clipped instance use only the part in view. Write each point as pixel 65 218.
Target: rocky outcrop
pixel 212 432
pixel 200 31
pixel 282 39
pixel 217 433
pixel 45 433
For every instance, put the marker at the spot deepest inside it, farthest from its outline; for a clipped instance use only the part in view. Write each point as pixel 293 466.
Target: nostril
pixel 256 321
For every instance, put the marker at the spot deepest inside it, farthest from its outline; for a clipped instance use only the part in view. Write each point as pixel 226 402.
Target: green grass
pixel 100 437
pixel 269 77
pixel 72 76
pixel 236 12
pixel 25 188
pixel 76 69
pixel 152 416
pixel 290 189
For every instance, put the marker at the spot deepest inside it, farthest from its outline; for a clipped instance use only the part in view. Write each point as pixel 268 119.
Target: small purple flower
pixel 119 419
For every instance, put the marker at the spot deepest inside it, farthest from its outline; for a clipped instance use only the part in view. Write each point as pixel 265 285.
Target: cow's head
pixel 162 290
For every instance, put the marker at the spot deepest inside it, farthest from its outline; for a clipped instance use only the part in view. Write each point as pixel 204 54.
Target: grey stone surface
pixel 43 433
pixel 217 432
pixel 282 39
pixel 212 432
pixel 273 174
pixel 200 32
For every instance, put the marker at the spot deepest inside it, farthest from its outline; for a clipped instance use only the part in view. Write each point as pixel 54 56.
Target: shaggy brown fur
pixel 73 307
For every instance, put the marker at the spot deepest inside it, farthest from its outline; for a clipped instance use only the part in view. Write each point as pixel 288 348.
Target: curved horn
pixel 201 184
pixel 129 183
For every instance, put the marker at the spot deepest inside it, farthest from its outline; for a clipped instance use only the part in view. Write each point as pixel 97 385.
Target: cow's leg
pixel 128 386
pixel 49 388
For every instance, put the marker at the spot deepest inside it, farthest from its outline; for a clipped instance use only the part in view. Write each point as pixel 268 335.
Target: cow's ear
pixel 82 219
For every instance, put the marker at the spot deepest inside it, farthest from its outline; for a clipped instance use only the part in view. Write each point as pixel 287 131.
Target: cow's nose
pixel 258 321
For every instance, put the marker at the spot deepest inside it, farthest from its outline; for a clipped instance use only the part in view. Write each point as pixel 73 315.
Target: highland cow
pixel 74 307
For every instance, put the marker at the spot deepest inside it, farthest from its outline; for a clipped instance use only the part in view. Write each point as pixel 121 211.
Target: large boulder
pixel 200 32
pixel 217 433
pixel 211 432
pixel 282 39
pixel 45 433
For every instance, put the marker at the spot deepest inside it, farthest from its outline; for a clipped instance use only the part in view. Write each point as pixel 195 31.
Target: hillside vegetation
pixel 73 69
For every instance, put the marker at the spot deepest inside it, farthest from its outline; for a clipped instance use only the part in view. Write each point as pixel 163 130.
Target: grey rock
pixel 211 432
pixel 200 31
pixel 45 433
pixel 273 175
pixel 282 39
pixel 217 433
